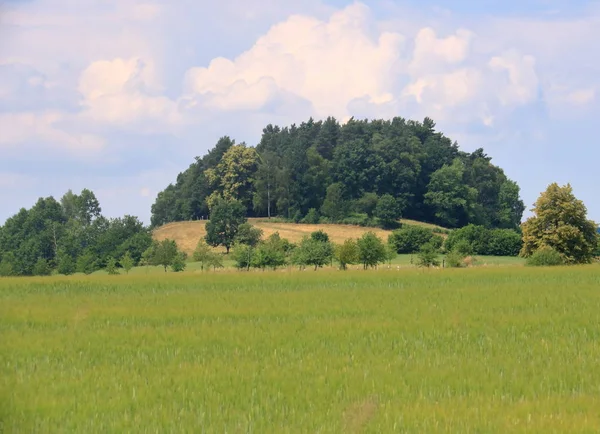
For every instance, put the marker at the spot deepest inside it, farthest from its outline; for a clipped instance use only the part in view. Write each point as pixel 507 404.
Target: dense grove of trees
pixel 69 235
pixel 362 171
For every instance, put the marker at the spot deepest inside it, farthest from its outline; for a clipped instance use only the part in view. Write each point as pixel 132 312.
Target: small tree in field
pixel 225 220
pixel 178 264
pixel 41 268
pixel 347 253
pixel 202 253
pixel 560 222
pixel 428 256
pixel 371 250
pixel 164 253
pixel 111 266
pixel 127 262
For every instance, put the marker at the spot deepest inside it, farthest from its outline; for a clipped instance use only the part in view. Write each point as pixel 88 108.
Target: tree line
pixel 363 172
pixel 68 236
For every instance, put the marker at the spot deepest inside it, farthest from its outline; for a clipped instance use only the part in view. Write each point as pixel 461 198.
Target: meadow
pixel 187 233
pixel 501 349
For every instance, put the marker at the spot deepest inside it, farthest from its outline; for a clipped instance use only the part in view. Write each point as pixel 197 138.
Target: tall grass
pixel 479 350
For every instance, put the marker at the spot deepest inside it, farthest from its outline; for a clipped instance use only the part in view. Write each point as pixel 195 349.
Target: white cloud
pixel 328 63
pixel 121 92
pixel 23 128
pixel 521 86
pixel 582 96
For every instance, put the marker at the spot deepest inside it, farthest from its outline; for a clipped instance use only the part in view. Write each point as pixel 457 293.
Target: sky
pixel 120 96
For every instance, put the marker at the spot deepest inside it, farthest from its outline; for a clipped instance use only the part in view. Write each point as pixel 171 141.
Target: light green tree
pixel 126 262
pixel 560 222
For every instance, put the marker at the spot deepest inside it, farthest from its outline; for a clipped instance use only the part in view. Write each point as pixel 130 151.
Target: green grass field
pixel 498 349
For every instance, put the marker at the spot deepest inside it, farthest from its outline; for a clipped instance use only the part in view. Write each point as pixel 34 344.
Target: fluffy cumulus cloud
pixel 159 82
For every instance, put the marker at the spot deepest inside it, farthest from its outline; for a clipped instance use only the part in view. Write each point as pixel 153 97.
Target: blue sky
pixel 120 96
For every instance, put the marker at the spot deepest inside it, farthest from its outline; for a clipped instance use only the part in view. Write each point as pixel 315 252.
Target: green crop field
pixel 498 349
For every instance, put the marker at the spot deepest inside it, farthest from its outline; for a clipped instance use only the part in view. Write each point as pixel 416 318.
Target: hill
pixel 379 168
pixel 187 234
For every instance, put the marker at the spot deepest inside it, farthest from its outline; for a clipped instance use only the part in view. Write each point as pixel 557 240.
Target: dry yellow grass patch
pixel 187 234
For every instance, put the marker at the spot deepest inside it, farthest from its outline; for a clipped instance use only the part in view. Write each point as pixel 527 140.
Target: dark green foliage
pixel 7 265
pixel 504 242
pixel 340 170
pixel 410 238
pixel 225 220
pixel 478 240
pixel 335 205
pixel 367 204
pixel 248 234
pixel 86 263
pixel 320 236
pixel 65 264
pixel 75 228
pixel 178 264
pixel 428 256
pixel 312 217
pixel 545 257
pixel 371 250
pixel 388 211
pixel 42 268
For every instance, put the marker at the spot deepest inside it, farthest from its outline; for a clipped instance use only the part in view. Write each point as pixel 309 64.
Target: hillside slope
pixel 187 234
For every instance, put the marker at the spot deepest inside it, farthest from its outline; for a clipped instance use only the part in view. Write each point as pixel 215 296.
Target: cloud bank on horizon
pixel 119 96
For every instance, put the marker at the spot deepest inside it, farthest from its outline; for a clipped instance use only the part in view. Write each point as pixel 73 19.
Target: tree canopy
pixel 338 170
pixel 560 222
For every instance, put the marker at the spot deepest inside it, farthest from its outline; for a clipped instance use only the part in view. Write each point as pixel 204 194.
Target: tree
pixel 428 256
pixel 335 206
pixel 178 264
pixel 320 236
pixel 225 220
pixel 347 253
pixel 367 203
pixel 111 266
pixel 202 253
pixel 248 234
pixel 126 262
pixel 387 211
pixel 164 253
pixel 243 256
pixel 216 261
pixel 66 265
pixel 450 196
pixel 410 238
pixel 371 250
pixel 560 222
pixel 313 252
pixel 86 263
pixel 7 265
pixel 41 268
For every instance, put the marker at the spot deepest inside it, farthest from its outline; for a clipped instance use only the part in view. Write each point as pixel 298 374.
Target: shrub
pixel 483 241
pixel 358 219
pixel 387 211
pixel 476 236
pixel 41 268
pixel 428 256
pixel 409 239
pixel 545 256
pixel 455 259
pixel 312 218
pixel 504 242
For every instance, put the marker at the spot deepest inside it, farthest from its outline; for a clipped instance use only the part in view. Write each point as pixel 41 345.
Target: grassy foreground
pixel 477 350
